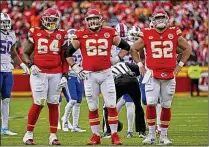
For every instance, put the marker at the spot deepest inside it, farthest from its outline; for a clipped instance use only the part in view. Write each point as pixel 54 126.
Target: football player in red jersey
pixel 48 71
pixel 95 43
pixel 160 43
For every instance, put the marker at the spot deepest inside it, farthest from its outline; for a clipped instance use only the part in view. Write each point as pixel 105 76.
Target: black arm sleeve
pixel 134 68
pixel 69 50
pixel 124 45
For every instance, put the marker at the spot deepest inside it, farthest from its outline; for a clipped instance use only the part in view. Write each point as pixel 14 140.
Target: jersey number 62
pixel 96 47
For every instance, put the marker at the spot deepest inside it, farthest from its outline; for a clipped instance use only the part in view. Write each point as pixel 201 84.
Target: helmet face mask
pixel 5 22
pixel 93 19
pixel 50 23
pixel 160 19
pixel 93 22
pixel 50 19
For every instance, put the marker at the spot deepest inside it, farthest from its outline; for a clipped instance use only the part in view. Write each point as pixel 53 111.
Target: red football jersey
pixel 48 52
pixel 96 48
pixel 160 51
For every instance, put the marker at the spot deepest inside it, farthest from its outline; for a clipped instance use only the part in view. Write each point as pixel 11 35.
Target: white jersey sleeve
pixel 8 39
pixel 115 50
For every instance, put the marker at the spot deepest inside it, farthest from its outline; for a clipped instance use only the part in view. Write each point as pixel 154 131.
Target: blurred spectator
pixel 194 73
pixel 190 16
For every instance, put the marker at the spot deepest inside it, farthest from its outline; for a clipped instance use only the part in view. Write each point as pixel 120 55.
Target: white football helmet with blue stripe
pixel 122 30
pixel 133 33
pixel 5 22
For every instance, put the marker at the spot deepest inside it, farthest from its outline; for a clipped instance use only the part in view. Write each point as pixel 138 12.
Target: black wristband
pixel 65 75
pixel 69 51
pixel 29 64
pixel 124 45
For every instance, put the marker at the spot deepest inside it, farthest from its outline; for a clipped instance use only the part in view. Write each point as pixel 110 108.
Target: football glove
pixel 62 84
pixel 25 68
pixel 79 71
pixel 35 70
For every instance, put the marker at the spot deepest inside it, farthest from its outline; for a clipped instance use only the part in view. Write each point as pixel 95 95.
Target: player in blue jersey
pixel 7 54
pixel 73 94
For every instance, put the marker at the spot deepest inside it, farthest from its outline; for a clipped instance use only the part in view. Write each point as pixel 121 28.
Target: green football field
pixel 189 125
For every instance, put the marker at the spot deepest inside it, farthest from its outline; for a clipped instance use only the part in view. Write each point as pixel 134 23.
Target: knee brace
pixel 166 104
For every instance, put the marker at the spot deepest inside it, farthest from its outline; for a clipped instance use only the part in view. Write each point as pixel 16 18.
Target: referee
pixel 126 83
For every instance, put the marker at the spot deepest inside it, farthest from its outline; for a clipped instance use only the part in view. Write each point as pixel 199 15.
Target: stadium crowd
pixel 190 16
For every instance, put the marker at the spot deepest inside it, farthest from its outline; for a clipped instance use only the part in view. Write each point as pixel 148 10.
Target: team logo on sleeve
pixel 85 36
pixel 106 35
pixel 170 36
pixel 58 36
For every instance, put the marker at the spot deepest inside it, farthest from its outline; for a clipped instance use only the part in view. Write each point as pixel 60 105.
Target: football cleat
pixel 130 135
pixel 142 135
pixel 65 126
pixel 95 139
pixel 116 139
pixel 77 129
pixel 28 139
pixel 7 132
pixel 150 139
pixel 53 140
pixel 164 140
pixel 106 135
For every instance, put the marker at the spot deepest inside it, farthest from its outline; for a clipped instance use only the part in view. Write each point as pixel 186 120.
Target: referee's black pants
pixel 130 85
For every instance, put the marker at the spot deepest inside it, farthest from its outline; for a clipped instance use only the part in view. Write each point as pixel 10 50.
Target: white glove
pixel 35 70
pixel 115 60
pixel 62 84
pixel 25 68
pixel 79 71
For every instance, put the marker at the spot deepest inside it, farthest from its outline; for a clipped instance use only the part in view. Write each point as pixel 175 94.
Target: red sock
pixel 112 116
pixel 165 117
pixel 53 117
pixel 33 116
pixel 151 115
pixel 94 118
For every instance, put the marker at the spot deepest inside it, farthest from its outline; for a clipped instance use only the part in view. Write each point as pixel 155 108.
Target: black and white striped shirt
pixel 120 69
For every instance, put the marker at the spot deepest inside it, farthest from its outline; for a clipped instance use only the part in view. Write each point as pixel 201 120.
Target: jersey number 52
pixel 96 47
pixel 165 52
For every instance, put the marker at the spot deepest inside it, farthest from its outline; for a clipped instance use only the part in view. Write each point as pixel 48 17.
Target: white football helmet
pixel 122 30
pixel 71 33
pixel 133 33
pixel 151 25
pixel 160 19
pixel 5 22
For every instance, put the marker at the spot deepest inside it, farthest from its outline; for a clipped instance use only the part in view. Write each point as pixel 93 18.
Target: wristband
pixel 140 64
pixel 181 64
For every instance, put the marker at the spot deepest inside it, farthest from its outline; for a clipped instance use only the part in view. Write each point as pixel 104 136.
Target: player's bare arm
pixel 137 48
pixel 28 49
pixel 187 51
pixel 14 55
